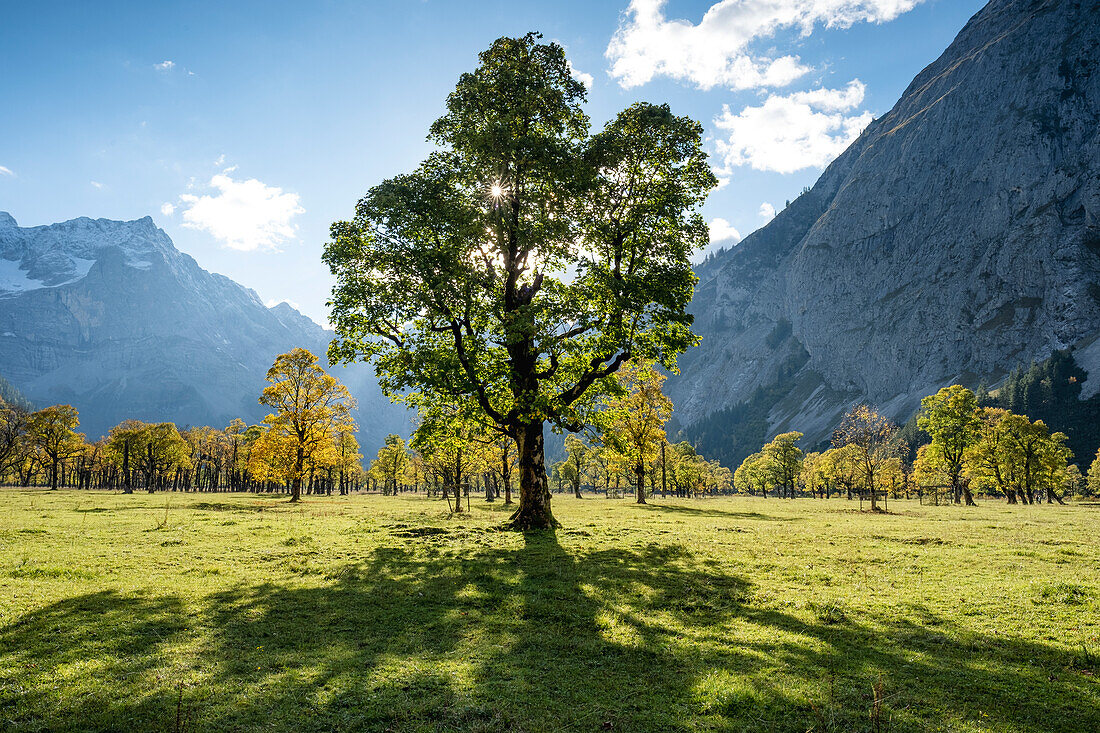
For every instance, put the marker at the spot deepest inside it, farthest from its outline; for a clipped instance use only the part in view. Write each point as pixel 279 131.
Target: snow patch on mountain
pixel 60 254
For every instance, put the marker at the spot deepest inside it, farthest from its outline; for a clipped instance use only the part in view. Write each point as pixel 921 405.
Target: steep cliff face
pixel 958 237
pixel 110 317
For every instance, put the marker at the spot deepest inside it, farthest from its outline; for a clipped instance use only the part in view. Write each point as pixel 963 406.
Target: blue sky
pixel 246 128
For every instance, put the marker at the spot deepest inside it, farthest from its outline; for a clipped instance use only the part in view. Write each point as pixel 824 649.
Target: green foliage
pixel 785 459
pixel 391 463
pixel 872 442
pixel 1051 391
pixel 912 437
pixel 1093 479
pixel 9 395
pixel 448 278
pixel 154 449
pixel 578 455
pixel 51 432
pixel 950 417
pixel 632 419
pixel 778 464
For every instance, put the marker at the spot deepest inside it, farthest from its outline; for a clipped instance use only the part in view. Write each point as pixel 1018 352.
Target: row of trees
pixel 454 451
pixel 674 469
pixel 972 449
pixel 306 442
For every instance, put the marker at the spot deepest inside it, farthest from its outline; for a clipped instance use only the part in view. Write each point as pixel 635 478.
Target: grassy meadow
pixel 212 612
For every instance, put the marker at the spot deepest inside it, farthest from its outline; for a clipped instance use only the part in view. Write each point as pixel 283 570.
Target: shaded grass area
pixel 374 613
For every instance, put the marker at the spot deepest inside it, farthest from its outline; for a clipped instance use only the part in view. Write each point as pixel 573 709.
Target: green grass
pixel 245 613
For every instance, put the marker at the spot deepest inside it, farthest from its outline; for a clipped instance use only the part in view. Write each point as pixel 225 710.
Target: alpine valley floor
pixel 204 612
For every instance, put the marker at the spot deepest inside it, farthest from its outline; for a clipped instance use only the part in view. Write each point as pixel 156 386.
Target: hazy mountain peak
pixel 53 255
pixel 110 317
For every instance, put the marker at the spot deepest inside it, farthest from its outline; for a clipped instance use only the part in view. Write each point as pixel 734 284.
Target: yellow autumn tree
pixel 634 419
pixel 872 440
pixel 52 431
pixel 390 465
pixel 311 407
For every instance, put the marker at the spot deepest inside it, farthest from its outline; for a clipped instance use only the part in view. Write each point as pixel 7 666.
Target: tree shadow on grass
pixel 89 663
pixel 430 636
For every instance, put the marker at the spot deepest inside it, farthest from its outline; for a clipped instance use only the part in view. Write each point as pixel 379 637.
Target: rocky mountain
pixel 110 317
pixel 957 237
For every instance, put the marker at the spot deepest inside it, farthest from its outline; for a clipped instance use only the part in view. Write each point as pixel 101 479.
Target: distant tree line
pixel 454 453
pixel 9 395
pixel 972 450
pixel 306 444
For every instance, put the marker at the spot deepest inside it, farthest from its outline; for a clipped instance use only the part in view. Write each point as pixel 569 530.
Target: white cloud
pixel 580 76
pixel 167 209
pixel 5 171
pixel 97 185
pixel 788 133
pixel 165 65
pixel 717 51
pixel 220 161
pixel 722 231
pixel 244 214
pixel 767 210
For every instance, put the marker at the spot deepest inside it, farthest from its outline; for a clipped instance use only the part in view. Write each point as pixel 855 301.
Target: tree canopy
pixel 632 422
pixel 311 409
pixel 951 417
pixel 526 259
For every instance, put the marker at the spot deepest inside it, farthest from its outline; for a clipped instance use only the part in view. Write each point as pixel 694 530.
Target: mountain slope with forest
pixel 110 317
pixel 956 239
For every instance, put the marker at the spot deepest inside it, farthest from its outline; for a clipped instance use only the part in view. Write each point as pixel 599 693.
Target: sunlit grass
pixel 216 612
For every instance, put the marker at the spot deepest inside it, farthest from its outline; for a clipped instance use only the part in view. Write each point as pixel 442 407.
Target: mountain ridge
pixel 956 238
pixel 111 317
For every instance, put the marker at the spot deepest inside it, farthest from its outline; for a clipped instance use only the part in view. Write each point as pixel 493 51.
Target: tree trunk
pixel 534 489
pixel 664 473
pixel 964 487
pixel 639 472
pixel 296 490
pixel 506 477
pixel 458 482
